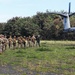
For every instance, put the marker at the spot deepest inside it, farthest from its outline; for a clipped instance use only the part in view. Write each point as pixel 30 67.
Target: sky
pixel 25 8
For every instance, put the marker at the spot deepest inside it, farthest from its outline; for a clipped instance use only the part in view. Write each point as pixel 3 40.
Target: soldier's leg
pixel 9 45
pixel 5 46
pixel 1 49
pixel 24 44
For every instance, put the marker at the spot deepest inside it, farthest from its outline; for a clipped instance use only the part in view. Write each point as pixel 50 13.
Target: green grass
pixel 53 56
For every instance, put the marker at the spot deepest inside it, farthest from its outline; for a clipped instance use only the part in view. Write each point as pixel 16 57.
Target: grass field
pixel 57 57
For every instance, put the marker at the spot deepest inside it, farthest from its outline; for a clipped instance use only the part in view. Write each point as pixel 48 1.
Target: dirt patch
pixel 12 70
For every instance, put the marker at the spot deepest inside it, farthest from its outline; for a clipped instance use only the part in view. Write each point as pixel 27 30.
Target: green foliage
pixel 2 26
pixel 49 26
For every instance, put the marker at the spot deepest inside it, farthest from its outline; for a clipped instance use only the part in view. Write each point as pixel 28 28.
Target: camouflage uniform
pixel 14 42
pixel 29 41
pixel 1 43
pixel 24 41
pixel 5 42
pixel 20 42
pixel 1 49
pixel 38 40
pixel 10 41
pixel 33 40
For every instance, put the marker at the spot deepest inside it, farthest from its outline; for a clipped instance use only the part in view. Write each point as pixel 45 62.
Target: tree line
pixel 49 26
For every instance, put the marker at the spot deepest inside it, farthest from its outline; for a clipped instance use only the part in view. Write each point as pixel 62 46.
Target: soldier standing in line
pixel 24 41
pixel 14 42
pixel 38 40
pixel 2 37
pixel 19 41
pixel 5 42
pixel 1 46
pixel 33 40
pixel 29 41
pixel 10 41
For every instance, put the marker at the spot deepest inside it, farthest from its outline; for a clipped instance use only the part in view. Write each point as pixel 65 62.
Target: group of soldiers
pixel 18 42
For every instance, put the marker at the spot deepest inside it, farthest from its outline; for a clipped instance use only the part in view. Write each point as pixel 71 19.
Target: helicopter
pixel 66 19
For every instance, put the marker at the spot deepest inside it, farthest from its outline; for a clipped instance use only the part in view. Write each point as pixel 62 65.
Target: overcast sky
pixel 24 8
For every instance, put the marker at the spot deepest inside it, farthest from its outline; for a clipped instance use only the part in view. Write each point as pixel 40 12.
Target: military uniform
pixel 1 49
pixel 29 41
pixel 38 40
pixel 24 42
pixel 10 41
pixel 14 42
pixel 5 42
pixel 19 42
pixel 33 40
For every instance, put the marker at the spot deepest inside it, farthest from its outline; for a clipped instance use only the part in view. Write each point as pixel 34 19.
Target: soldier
pixel 2 37
pixel 19 41
pixel 29 41
pixel 24 41
pixel 5 42
pixel 14 42
pixel 38 40
pixel 33 40
pixel 1 47
pixel 10 41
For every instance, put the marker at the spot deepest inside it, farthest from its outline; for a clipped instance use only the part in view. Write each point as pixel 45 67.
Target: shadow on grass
pixel 45 45
pixel 72 47
pixel 20 51
pixel 43 49
pixel 20 55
